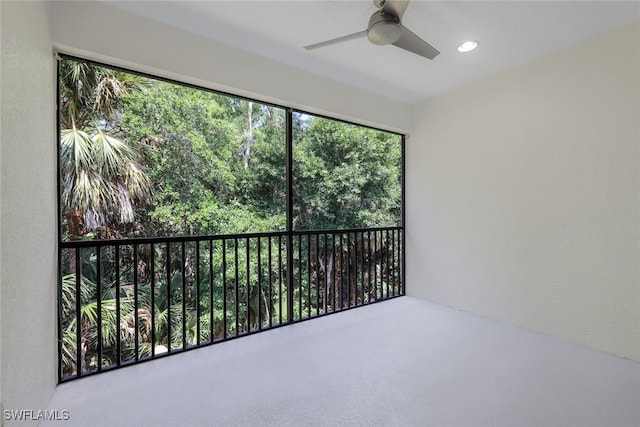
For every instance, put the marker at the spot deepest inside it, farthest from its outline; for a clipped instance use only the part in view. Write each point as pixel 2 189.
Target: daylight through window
pixel 188 216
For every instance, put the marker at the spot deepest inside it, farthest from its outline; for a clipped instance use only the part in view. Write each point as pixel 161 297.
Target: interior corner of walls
pixel 529 212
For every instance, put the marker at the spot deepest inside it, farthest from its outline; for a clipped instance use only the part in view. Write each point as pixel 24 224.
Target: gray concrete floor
pixel 404 362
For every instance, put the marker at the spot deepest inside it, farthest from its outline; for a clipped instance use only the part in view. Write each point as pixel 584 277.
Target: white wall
pixel 524 196
pixel 1 401
pixel 157 48
pixel 28 206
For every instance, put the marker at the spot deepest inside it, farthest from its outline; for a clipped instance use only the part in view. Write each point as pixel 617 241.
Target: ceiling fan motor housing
pixel 383 29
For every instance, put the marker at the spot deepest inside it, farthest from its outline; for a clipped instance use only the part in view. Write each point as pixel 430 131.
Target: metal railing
pixel 127 301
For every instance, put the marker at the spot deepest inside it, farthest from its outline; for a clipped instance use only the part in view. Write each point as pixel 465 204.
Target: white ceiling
pixel 509 33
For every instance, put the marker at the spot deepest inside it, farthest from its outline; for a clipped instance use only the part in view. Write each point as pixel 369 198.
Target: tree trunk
pixel 248 136
pixel 75 224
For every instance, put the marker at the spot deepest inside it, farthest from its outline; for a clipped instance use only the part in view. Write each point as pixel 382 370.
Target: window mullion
pixel 289 192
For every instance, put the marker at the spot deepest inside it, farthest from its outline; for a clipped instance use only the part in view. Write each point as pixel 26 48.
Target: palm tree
pixel 101 178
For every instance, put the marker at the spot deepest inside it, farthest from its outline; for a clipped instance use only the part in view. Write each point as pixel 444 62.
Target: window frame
pixel 289 233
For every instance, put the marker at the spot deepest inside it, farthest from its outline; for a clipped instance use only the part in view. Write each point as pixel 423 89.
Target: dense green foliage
pixel 196 144
pixel 345 176
pixel 184 161
pixel 141 157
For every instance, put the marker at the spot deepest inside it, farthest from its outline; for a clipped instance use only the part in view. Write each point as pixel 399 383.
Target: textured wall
pixel 524 195
pixel 28 206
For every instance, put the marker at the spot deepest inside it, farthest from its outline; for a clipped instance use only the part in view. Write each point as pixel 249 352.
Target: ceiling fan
pixel 385 27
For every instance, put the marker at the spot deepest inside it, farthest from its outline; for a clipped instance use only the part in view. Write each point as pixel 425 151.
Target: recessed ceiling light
pixel 467 46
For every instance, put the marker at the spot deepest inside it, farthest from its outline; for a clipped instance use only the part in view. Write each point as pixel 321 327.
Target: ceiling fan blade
pixel 412 43
pixel 337 40
pixel 395 7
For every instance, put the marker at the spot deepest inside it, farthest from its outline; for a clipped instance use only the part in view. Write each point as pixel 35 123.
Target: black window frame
pixel 289 234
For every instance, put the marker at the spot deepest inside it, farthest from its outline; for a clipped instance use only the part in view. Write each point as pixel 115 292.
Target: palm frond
pixel 100 176
pixel 87 288
pixel 111 155
pixel 137 182
pixel 76 150
pixel 108 92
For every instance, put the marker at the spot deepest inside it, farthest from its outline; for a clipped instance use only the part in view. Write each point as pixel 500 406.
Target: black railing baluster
pixel 378 270
pixel 309 274
pixel 348 269
pixel 152 272
pixel 299 277
pixel 356 269
pixel 183 264
pixel 289 277
pixel 118 318
pixel 400 265
pixel 401 247
pixel 224 287
pixel 386 254
pixel 375 264
pixel 78 270
pixel 326 273
pixel 211 287
pixel 248 311
pixel 334 303
pixel 99 305
pixel 168 268
pixel 197 292
pixel 259 286
pixel 393 262
pixel 61 309
pixel 136 326
pixel 270 284
pixel 237 289
pixel 280 280
pixel 317 262
pixel 340 282
pixel 369 256
pixel 397 268
pixel 381 264
pixel 362 267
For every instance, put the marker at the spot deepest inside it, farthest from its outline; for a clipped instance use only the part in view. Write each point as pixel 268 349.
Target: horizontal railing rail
pixel 173 239
pixel 131 300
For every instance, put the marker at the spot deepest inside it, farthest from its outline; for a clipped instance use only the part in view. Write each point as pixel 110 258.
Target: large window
pixel 189 216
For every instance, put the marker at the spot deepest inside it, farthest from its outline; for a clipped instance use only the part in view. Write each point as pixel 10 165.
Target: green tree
pixel 101 178
pixel 216 162
pixel 345 176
